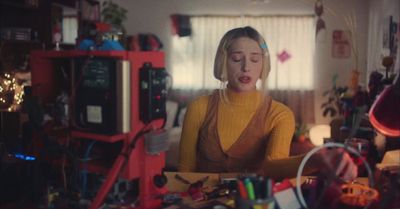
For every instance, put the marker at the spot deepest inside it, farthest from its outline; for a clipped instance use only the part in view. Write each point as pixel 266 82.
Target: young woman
pixel 239 128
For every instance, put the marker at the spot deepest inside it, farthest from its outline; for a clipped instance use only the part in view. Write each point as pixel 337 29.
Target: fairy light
pixel 9 85
pixel 18 97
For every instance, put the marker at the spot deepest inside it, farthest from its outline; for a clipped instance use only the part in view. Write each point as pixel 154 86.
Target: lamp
pixel 318 133
pixel 384 114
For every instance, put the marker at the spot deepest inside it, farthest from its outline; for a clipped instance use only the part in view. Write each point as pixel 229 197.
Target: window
pixel 291 38
pixel 70 29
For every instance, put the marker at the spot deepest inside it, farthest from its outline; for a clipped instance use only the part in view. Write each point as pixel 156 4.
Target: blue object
pixel 88 44
pixel 84 171
pixel 24 157
pixel 111 45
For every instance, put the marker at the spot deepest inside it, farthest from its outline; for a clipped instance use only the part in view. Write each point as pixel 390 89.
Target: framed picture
pixel 341 44
pixel 90 10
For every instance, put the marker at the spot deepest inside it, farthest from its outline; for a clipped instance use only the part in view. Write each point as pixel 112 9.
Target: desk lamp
pixel 385 118
pixel 384 114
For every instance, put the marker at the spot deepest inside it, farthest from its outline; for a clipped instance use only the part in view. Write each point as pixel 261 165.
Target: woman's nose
pixel 245 65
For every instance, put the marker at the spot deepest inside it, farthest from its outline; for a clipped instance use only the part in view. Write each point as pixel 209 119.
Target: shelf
pixel 81 53
pixel 15 41
pixel 99 137
pixel 18 4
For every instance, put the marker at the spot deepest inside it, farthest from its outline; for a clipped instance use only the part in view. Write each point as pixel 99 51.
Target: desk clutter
pixel 251 191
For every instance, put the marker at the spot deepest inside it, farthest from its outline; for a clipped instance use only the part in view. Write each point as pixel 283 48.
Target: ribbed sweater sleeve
pixel 280 127
pixel 192 122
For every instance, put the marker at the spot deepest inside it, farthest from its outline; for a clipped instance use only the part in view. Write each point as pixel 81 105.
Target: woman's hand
pixel 336 162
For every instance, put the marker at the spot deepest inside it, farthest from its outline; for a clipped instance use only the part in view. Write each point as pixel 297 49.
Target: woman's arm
pixel 193 120
pixel 280 128
pixel 279 165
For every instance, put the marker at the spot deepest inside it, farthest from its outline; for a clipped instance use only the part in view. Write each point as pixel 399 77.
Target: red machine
pixel 133 162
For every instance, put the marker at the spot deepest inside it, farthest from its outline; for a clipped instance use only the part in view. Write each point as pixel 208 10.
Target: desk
pixel 175 185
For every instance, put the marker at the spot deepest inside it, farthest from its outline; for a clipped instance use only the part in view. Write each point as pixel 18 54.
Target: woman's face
pixel 244 64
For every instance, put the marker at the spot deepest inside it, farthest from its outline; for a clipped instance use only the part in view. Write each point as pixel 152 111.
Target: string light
pixel 9 86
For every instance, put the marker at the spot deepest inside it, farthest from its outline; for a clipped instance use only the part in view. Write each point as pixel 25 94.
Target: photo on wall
pixel 390 34
pixel 341 47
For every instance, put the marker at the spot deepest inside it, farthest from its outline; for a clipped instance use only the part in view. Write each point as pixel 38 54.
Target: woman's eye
pixel 255 59
pixel 236 58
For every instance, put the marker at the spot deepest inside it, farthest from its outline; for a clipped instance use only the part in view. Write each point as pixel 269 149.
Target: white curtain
pixel 192 57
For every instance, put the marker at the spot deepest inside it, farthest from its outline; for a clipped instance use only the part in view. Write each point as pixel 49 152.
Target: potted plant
pixel 114 15
pixel 334 104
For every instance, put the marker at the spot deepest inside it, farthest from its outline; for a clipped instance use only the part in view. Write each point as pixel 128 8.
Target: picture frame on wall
pixel 390 34
pixel 90 10
pixel 341 44
pixel 393 35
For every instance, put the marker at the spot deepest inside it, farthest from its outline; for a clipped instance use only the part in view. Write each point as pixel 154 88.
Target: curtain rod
pixel 272 15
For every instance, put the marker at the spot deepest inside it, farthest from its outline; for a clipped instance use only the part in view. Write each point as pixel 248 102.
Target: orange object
pixel 358 195
pixel 354 80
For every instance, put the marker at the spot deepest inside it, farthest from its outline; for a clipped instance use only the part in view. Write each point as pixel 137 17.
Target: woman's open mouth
pixel 244 79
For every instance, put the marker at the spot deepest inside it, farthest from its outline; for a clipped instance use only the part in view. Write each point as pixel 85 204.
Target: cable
pixel 84 171
pixel 137 137
pixel 316 149
pixel 116 168
pixel 74 88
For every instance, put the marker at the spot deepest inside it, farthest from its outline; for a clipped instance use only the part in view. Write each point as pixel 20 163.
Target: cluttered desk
pixel 378 190
pixel 213 190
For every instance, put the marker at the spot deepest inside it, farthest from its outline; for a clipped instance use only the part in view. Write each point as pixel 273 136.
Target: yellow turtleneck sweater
pixel 233 118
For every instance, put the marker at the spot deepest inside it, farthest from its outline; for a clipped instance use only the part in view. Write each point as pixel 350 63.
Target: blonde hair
pixel 220 70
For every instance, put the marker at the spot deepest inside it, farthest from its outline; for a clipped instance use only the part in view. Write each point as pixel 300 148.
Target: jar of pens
pixel 254 192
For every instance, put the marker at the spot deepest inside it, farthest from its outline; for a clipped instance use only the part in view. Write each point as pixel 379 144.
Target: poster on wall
pixel 390 35
pixel 90 10
pixel 393 36
pixel 341 44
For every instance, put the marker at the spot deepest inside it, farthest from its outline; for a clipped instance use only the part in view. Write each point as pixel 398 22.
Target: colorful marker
pixel 250 189
pixel 242 190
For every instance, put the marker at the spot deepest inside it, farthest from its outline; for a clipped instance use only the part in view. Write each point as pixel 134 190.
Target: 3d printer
pixel 114 96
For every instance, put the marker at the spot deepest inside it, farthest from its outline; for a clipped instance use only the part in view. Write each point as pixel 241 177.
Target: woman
pixel 239 128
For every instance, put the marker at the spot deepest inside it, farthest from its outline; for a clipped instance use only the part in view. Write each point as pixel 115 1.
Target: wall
pixel 152 16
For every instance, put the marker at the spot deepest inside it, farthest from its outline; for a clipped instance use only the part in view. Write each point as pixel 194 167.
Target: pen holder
pixel 241 203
